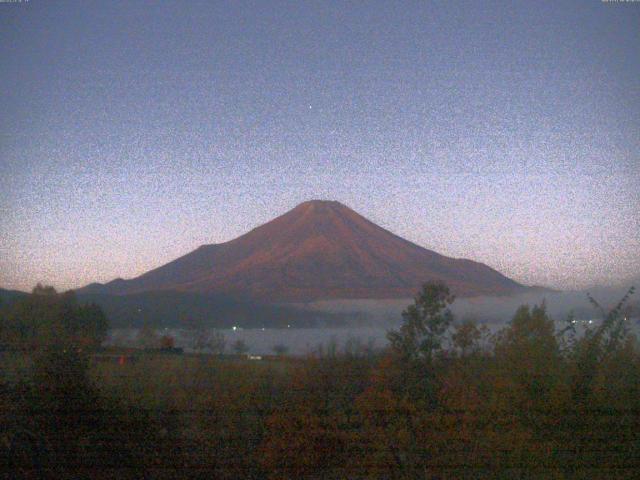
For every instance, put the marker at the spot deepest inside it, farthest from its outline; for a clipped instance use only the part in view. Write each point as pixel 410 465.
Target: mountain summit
pixel 318 250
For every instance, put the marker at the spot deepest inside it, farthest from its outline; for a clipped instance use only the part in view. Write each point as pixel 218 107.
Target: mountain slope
pixel 9 296
pixel 192 310
pixel 318 250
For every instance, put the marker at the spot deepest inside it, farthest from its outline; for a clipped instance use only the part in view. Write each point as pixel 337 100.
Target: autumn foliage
pixel 446 400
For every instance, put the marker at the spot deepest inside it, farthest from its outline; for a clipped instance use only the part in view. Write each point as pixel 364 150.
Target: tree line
pixel 445 400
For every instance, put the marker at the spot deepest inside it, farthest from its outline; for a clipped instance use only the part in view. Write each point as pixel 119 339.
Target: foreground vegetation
pixel 529 402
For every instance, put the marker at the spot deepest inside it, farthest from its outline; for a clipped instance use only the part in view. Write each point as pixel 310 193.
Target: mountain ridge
pixel 320 249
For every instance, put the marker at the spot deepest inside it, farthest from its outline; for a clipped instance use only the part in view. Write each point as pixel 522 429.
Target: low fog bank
pixel 296 341
pixel 485 309
pixel 368 321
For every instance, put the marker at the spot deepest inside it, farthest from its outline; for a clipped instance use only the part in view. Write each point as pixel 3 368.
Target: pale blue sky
pixel 132 132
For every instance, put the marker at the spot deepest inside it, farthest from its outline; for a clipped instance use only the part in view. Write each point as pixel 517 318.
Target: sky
pixel 506 132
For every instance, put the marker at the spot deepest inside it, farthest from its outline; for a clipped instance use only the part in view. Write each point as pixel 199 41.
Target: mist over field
pixel 483 309
pixel 364 323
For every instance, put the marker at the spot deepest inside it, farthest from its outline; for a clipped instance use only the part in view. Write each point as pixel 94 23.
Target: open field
pixel 475 416
pixel 444 399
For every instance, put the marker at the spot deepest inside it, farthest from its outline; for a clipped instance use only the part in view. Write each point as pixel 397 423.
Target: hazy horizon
pixel 624 282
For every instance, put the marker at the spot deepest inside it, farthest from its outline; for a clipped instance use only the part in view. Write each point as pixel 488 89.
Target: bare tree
pixel 209 340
